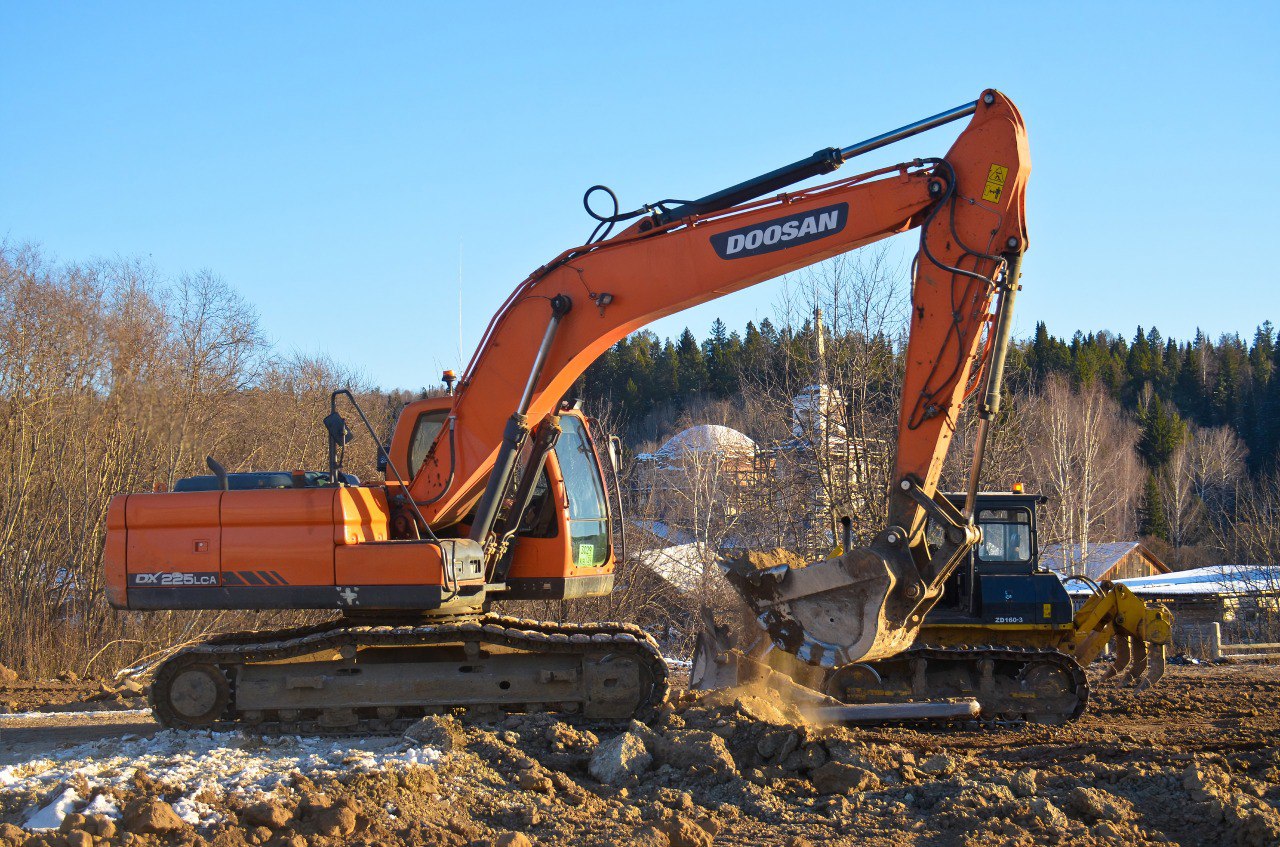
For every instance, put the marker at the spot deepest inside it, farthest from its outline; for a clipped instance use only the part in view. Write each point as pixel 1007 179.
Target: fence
pixel 1256 652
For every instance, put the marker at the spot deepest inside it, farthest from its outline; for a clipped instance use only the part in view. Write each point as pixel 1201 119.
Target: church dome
pixel 708 438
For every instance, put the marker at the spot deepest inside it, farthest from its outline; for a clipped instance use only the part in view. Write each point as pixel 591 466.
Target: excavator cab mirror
pixel 339 433
pixel 615 454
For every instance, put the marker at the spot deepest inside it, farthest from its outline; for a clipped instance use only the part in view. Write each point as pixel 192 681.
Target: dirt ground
pixel 1196 761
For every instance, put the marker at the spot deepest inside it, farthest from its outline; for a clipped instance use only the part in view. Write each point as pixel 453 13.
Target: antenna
pixel 461 363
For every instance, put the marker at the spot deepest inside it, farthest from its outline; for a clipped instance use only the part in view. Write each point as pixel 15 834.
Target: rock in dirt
pixel 7 676
pixel 684 749
pixel 439 731
pixel 618 759
pixel 940 764
pixel 1041 811
pixel 837 778
pixel 1024 783
pixel 269 813
pixel 1204 782
pixel 1094 804
pixel 102 826
pixel 682 832
pixel 512 839
pixel 72 821
pixel 531 781
pixel 152 817
pixel 337 821
pixel 79 838
pixel 649 836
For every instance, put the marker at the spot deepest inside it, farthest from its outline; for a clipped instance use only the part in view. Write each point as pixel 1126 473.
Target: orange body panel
pixel 359 515
pixel 393 563
pixel 289 532
pixel 173 533
pixel 285 539
pixel 113 555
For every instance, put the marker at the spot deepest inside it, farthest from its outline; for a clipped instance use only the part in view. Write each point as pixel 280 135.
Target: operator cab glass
pixel 425 430
pixel 1006 536
pixel 588 512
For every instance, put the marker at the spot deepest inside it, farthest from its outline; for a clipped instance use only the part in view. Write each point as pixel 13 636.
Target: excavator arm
pixel 969 206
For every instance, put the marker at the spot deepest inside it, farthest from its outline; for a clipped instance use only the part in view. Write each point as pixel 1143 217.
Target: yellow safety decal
pixel 995 183
pixel 586 555
pixel 1048 610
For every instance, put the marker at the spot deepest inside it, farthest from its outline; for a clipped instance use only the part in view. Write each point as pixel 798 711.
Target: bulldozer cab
pixel 1001 581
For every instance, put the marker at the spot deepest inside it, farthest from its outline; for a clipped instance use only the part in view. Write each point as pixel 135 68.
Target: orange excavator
pixel 497 491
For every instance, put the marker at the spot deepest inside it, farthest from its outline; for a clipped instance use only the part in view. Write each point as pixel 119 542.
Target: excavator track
pixel 1013 685
pixel 343 677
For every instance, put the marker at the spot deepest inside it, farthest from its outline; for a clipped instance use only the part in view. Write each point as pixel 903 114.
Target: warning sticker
pixel 995 183
pixel 586 555
pixel 1048 610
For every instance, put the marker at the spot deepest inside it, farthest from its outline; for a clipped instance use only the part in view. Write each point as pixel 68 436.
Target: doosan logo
pixel 781 233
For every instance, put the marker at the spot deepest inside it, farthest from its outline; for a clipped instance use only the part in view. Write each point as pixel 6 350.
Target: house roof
pixel 1217 579
pixel 682 565
pixel 1066 559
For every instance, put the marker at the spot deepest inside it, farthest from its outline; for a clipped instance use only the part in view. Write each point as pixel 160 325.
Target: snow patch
pixel 198 764
pixel 75 717
pixel 50 817
pixel 102 805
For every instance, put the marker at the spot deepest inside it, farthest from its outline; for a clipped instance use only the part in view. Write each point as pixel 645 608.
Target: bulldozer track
pixel 228 653
pixel 1026 705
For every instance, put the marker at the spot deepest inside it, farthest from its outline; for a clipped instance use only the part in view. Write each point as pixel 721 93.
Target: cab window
pixel 1006 535
pixel 425 430
pixel 588 511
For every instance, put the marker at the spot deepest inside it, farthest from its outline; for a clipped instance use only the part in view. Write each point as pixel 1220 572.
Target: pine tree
pixel 1152 518
pixel 692 364
pixel 1162 432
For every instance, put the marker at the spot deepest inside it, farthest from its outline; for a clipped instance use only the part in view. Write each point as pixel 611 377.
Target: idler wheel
pixel 190 696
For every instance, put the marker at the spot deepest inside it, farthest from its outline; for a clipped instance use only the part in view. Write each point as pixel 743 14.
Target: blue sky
pixel 331 160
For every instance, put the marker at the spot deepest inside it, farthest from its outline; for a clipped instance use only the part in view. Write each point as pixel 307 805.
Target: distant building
pixel 1112 560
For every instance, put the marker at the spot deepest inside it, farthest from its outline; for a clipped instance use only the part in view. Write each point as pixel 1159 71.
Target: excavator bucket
pixel 827 614
pixel 718 665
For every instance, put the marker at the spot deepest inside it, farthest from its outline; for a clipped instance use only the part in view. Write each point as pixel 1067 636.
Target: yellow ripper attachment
pixel 1114 613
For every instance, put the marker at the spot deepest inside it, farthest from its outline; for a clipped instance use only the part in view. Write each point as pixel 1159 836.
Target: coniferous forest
pixel 1165 383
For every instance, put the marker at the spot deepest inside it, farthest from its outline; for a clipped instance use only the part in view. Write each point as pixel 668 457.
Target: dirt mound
pixel 734 768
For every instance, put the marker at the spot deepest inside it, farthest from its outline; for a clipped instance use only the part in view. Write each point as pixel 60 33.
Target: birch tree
pixel 1082 452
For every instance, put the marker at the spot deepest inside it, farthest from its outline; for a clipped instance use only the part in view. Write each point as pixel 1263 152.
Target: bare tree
pixel 114 380
pixel 1083 455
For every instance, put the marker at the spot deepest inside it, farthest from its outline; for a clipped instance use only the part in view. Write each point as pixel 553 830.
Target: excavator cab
pixel 560 542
